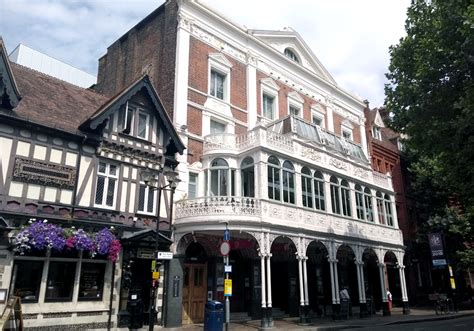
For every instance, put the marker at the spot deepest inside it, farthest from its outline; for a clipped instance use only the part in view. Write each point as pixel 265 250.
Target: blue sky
pixel 351 38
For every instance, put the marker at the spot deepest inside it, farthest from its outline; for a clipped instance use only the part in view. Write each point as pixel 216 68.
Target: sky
pixel 351 38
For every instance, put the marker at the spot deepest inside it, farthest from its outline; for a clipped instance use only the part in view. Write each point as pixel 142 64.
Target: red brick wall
pixel 194 151
pixel 199 73
pixel 194 121
pixel 338 119
pixel 149 44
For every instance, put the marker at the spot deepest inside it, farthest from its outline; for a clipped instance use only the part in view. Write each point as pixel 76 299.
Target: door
pixel 194 293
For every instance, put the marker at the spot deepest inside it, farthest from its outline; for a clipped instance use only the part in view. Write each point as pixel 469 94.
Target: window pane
pixel 110 192
pixel 92 281
pixel 336 208
pixel 151 201
pixel 141 198
pixel 214 182
pixel 102 167
pixel 223 182
pixel 128 124
pixel 99 192
pixel 142 125
pixel 360 205
pixel 268 107
pixel 27 280
pixel 317 120
pixel 113 170
pixel 294 110
pixel 192 186
pixel 60 281
pixel 217 84
pixel 217 127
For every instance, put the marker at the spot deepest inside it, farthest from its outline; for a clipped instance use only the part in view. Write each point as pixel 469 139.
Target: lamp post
pixel 152 181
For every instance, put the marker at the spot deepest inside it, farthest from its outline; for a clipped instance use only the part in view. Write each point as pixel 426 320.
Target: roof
pixel 52 102
pixel 9 92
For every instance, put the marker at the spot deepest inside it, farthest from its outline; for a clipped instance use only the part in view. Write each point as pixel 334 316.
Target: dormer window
pixel 134 121
pixel 290 54
pixel 377 132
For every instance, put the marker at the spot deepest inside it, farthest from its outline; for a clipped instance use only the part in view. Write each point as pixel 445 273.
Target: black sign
pixel 176 286
pixel 437 248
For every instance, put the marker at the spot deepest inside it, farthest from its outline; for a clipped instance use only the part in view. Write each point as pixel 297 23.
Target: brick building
pixel 386 152
pixel 276 153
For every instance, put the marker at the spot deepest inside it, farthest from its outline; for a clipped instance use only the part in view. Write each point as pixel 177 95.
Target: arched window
pixel 290 54
pixel 319 202
pixel 306 188
pixel 288 182
pixel 336 205
pixel 380 207
pixel 369 213
pixel 219 177
pixel 346 198
pixel 388 209
pixel 247 177
pixel 359 202
pixel 274 184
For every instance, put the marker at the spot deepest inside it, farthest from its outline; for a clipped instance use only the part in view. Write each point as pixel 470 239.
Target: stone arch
pixel 390 257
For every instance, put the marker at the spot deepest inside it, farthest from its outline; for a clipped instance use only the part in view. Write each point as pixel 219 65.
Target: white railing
pixel 221 205
pixel 255 137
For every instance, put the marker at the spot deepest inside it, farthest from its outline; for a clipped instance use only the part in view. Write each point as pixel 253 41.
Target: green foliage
pixel 431 96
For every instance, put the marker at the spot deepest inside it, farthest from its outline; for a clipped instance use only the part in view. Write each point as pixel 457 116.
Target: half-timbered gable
pixel 74 157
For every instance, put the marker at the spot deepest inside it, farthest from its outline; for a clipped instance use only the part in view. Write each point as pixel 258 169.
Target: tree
pixel 430 95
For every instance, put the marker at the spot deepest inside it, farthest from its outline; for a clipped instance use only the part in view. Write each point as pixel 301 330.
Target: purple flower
pixel 104 239
pixel 83 241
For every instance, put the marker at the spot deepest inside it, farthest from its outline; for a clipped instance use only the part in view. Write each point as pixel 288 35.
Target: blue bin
pixel 214 316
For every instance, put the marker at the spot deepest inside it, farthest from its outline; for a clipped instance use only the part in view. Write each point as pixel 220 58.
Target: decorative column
pixel 386 311
pixel 269 292
pixel 336 306
pixel 361 282
pixel 305 283
pixel 300 276
pixel 251 90
pixel 264 322
pixel 403 286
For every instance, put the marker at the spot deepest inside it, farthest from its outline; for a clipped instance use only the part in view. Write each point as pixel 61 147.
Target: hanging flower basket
pixel 41 235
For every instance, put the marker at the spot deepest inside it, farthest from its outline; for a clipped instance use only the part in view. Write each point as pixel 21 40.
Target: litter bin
pixel 214 316
pixel 135 309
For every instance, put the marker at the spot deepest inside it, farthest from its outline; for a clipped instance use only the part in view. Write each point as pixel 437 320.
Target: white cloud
pixel 350 38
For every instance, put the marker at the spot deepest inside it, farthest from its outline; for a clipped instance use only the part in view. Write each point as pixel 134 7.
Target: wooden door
pixel 194 293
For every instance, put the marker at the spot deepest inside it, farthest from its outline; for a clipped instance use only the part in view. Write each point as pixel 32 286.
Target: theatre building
pixel 77 224
pixel 276 152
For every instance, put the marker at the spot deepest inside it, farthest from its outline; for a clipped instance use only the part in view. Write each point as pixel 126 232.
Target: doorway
pixel 194 293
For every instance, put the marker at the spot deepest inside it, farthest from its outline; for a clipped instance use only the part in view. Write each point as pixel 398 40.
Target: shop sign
pixel 437 249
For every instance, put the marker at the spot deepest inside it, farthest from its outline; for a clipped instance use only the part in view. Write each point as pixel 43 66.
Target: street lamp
pixel 152 181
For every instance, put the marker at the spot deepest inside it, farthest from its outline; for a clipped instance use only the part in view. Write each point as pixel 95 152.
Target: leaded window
pixel 60 282
pixel 106 185
pixel 146 199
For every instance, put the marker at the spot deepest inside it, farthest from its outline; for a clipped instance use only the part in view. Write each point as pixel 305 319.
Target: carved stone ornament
pixel 361 173
pixel 44 173
pixel 338 164
pixel 311 154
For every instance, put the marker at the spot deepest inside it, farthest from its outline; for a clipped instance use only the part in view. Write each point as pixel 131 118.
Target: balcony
pixel 301 141
pixel 258 213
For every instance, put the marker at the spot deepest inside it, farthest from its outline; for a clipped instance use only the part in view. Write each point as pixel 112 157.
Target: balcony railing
pixel 242 206
pixel 235 210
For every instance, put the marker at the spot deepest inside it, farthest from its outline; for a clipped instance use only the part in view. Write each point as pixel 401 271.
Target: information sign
pixel 228 287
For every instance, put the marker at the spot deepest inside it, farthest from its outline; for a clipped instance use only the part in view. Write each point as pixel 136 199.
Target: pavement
pixel 416 315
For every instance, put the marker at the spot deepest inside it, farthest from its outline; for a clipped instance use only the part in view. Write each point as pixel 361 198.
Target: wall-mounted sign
pixel 437 249
pixel 228 287
pixel 176 286
pixel 227 268
pixel 156 275
pixel 165 255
